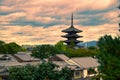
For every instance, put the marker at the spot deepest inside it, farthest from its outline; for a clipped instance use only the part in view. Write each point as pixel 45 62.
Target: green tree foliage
pixel 22 73
pixel 65 74
pixel 2 42
pixel 60 47
pixel 72 44
pixel 92 48
pixel 81 52
pixel 72 52
pixel 13 48
pixel 109 57
pixel 3 48
pixel 43 51
pixel 9 48
pixel 44 71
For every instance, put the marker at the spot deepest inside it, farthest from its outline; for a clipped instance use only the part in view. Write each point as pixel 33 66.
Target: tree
pixel 66 74
pixel 22 73
pixel 43 51
pixel 44 71
pixel 60 47
pixel 9 48
pixel 109 56
pixel 72 44
pixel 81 52
pixel 3 48
pixel 110 45
pixel 2 42
pixel 13 48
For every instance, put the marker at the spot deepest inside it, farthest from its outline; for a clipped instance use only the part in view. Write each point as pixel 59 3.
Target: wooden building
pixel 71 34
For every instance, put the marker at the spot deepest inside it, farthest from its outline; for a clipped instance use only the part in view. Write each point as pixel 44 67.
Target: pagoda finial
pixel 72 20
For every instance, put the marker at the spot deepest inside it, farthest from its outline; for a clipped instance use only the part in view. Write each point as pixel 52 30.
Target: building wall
pixel 96 69
pixel 85 73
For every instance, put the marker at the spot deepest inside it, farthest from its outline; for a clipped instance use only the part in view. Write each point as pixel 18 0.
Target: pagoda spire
pixel 72 20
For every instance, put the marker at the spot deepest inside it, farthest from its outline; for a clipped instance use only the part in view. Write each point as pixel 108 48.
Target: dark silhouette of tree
pixel 44 51
pixel 13 48
pixel 9 48
pixel 3 48
pixel 44 71
pixel 109 57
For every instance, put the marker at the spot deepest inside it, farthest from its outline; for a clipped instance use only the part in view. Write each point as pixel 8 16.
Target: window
pixel 77 73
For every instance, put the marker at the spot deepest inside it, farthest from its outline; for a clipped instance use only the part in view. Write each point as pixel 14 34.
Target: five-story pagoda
pixel 72 34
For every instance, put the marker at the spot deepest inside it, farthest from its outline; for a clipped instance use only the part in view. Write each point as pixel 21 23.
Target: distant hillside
pixel 88 44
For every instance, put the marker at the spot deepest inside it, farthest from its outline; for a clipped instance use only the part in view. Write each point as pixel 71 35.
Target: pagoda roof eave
pixel 71 29
pixel 72 36
pixel 76 41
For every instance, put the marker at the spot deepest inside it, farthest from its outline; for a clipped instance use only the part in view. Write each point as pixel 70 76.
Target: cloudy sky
pixel 41 21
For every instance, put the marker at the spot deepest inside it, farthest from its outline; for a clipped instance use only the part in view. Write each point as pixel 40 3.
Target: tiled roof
pixel 63 57
pixel 11 62
pixel 71 29
pixel 86 62
pixel 25 57
pixel 3 71
pixel 60 63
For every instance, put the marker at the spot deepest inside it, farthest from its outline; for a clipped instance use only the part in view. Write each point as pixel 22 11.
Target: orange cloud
pixel 51 35
pixel 46 11
pixel 12 17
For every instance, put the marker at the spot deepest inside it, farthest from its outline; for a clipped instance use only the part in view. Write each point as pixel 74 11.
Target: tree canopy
pixel 9 48
pixel 45 51
pixel 109 57
pixel 44 71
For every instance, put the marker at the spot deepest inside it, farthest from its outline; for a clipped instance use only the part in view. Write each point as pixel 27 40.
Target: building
pixel 3 73
pixel 72 34
pixel 89 66
pixel 25 57
pixel 83 67
pixel 19 59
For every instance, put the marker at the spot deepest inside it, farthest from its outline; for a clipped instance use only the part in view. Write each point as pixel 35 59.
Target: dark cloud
pixel 1 2
pixel 94 22
pixel 23 22
pixel 22 34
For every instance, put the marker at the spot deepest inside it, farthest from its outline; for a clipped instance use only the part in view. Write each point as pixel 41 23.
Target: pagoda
pixel 71 34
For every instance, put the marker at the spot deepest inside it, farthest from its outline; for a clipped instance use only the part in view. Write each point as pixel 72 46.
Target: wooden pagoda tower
pixel 72 34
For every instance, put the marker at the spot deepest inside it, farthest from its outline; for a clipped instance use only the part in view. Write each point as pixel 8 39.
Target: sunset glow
pixel 41 21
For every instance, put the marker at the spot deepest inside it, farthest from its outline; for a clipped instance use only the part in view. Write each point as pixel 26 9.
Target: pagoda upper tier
pixel 71 29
